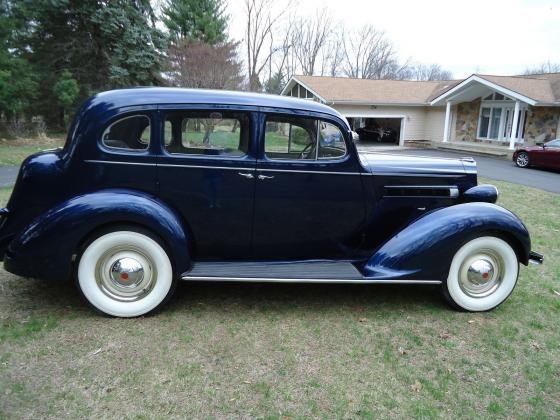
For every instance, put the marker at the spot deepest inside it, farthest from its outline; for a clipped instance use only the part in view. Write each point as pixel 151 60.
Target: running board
pixel 335 272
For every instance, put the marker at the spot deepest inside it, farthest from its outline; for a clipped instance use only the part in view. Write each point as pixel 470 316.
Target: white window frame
pixel 505 105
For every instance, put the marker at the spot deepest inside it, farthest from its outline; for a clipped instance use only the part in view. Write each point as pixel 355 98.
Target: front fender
pixel 424 249
pixel 45 248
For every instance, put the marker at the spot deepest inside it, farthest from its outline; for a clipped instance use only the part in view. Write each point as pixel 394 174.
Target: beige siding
pixel 415 116
pixel 435 123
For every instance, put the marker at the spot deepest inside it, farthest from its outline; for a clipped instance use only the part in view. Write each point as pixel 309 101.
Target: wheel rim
pixel 481 273
pixel 522 159
pixel 125 274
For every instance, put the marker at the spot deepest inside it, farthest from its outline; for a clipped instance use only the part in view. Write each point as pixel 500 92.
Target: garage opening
pixel 381 131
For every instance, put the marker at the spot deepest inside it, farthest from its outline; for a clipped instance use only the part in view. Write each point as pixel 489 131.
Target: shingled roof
pixel 541 88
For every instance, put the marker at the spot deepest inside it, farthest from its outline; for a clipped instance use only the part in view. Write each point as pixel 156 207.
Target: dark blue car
pixel 156 185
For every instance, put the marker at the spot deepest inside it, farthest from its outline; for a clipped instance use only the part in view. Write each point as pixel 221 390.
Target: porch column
pixel 514 126
pixel 447 121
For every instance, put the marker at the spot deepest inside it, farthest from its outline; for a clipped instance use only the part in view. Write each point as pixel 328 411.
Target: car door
pixel 309 200
pixel 206 171
pixel 552 154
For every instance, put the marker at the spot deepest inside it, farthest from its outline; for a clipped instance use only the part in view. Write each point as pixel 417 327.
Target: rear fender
pixel 45 248
pixel 424 249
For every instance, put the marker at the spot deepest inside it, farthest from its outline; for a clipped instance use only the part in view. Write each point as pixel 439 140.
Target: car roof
pixel 160 96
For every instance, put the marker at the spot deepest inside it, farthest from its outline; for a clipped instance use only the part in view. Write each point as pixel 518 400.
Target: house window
pixel 496 120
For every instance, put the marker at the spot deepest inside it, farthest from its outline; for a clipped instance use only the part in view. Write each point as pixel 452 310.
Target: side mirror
pixel 539 143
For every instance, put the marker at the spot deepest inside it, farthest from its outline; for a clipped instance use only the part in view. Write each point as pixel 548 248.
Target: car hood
pixel 397 164
pixel 529 148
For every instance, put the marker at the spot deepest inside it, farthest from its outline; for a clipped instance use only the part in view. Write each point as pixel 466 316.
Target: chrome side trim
pixel 231 168
pixel 453 190
pixel 418 174
pixel 422 186
pixel 119 162
pixel 295 280
pixel 311 172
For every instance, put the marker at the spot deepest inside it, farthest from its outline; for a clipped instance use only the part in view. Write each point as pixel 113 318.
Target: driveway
pixel 489 167
pixel 500 169
pixel 8 175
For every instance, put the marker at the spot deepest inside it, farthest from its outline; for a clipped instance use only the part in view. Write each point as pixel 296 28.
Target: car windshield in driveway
pixel 553 143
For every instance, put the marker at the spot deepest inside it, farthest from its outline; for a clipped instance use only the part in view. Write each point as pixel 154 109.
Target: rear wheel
pixel 482 275
pixel 125 273
pixel 522 160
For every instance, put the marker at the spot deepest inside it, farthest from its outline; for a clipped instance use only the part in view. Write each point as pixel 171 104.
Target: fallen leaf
pixel 247 382
pixel 401 351
pixel 99 350
pixel 416 386
pixel 556 293
pixel 471 321
pixel 362 320
pixel 536 346
pixel 444 335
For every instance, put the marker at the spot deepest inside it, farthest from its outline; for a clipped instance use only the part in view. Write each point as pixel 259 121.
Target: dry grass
pixel 291 350
pixel 13 152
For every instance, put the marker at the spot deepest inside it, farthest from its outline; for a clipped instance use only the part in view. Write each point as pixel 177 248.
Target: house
pixel 481 110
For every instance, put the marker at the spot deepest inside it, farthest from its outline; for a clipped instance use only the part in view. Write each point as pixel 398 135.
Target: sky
pixel 470 36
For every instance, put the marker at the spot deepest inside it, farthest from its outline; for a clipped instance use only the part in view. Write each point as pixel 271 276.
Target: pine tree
pixel 196 20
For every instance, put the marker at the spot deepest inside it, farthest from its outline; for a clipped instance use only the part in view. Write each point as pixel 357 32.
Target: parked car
pixel 546 155
pixel 156 185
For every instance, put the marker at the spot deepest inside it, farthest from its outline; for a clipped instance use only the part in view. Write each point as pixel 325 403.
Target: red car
pixel 546 155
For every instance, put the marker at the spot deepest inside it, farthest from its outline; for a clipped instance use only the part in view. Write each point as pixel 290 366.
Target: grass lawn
pixel 291 351
pixel 13 152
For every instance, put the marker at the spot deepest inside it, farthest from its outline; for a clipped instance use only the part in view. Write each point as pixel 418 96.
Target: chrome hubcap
pixel 125 274
pixel 522 160
pixel 481 274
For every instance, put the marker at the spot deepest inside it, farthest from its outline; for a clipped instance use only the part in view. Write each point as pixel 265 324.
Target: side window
pixel 207 133
pixel 129 133
pixel 331 142
pixel 297 138
pixel 290 138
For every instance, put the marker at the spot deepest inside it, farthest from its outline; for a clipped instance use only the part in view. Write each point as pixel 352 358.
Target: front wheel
pixel 522 160
pixel 125 273
pixel 482 275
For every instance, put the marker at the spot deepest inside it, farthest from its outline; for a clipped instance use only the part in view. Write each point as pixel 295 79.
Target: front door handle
pixel 246 175
pixel 265 177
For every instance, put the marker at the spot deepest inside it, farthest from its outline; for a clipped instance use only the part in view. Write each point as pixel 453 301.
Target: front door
pixel 207 173
pixel 309 200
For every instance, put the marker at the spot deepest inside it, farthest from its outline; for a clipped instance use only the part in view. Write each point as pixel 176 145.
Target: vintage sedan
pixel 545 155
pixel 157 185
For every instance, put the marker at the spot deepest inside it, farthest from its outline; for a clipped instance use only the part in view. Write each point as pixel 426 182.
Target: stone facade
pixel 542 124
pixel 467 120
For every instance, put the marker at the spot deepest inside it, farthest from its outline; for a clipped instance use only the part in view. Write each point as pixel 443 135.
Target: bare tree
pixel 309 38
pixel 428 72
pixel 258 38
pixel 332 54
pixel 543 68
pixel 199 65
pixel 367 54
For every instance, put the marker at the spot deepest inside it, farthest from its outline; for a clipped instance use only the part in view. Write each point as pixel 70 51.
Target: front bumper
pixel 535 258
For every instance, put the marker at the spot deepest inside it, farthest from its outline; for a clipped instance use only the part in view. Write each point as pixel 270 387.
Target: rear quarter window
pixel 128 133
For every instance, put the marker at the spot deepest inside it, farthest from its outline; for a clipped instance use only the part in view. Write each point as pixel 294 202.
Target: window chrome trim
pixel 127 149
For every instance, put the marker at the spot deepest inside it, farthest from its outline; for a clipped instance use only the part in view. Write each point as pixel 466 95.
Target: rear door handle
pixel 265 177
pixel 246 175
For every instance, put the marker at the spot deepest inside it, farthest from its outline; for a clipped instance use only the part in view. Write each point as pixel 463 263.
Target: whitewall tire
pixel 125 273
pixel 482 275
